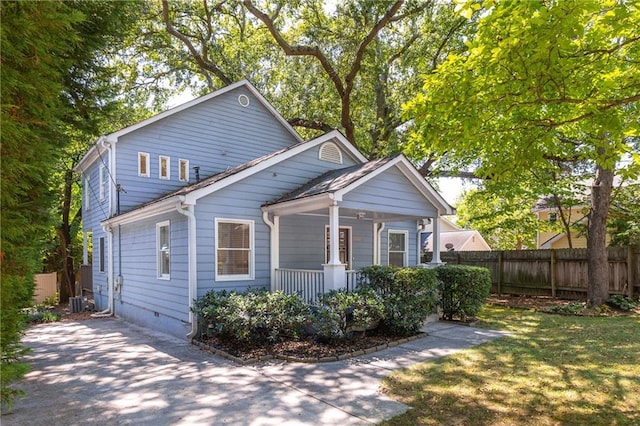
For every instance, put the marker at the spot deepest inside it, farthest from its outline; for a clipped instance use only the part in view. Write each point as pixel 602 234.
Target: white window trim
pixel 186 177
pixel 144 155
pixel 252 251
pixel 103 182
pixel 160 275
pixel 405 257
pixel 160 158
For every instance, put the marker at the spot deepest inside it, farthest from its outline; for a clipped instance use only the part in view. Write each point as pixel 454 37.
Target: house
pixel 453 238
pixel 221 193
pixel 552 233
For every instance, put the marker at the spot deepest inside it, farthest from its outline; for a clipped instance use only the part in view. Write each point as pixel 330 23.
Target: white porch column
pixel 275 250
pixel 436 240
pixel 334 272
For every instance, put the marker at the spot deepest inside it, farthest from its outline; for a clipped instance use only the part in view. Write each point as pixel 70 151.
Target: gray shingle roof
pixel 332 181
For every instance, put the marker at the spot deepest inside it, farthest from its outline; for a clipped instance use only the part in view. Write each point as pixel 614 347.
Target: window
pixel 164 167
pixel 103 182
pixel 87 194
pixel 143 164
pixel 163 234
pixel 101 254
pixel 234 249
pixel 398 248
pixel 553 217
pixel 183 170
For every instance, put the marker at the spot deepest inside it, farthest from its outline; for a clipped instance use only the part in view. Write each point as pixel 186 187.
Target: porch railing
pixel 305 282
pixel 309 283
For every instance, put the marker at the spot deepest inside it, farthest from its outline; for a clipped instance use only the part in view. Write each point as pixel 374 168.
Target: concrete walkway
pixel 107 371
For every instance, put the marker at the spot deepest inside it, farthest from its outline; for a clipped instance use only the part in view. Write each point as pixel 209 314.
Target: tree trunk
pixel 67 282
pixel 598 270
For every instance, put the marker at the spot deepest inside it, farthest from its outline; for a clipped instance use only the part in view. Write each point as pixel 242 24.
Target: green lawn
pixel 554 369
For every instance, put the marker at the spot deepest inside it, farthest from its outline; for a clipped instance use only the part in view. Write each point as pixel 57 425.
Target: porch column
pixel 436 240
pixel 334 271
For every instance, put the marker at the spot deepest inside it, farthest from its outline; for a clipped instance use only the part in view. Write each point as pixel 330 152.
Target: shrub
pixel 622 303
pixel 254 317
pixel 41 314
pixel 409 296
pixel 344 311
pixel 463 290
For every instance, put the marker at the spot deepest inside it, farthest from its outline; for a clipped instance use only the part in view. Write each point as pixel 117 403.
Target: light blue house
pixel 222 193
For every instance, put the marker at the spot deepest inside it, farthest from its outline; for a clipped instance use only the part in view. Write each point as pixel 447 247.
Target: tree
pixel 545 88
pixel 32 80
pixel 505 223
pixel 349 68
pixel 624 215
pixel 48 96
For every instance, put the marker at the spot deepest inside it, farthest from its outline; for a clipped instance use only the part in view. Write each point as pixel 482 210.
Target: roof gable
pixel 98 147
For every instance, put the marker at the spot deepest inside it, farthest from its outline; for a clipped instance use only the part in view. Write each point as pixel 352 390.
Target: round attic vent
pixel 243 100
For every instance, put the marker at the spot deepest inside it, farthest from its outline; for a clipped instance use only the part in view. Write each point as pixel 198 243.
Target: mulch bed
pixel 304 350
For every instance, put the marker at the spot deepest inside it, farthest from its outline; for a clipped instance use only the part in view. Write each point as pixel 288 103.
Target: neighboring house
pixel 551 233
pixel 453 238
pixel 222 194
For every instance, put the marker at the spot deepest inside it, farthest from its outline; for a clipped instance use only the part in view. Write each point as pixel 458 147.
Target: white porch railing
pixel 305 282
pixel 309 283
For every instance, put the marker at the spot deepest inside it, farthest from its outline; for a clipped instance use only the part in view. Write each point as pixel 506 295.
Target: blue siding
pixel 302 241
pixel 242 200
pixel 214 135
pixel 144 297
pixel 389 189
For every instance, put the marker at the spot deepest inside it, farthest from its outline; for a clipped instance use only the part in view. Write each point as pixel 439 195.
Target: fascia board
pixel 91 156
pixel 300 206
pixel 146 212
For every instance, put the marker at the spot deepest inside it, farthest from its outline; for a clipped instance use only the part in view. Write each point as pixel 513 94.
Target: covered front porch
pixel 371 214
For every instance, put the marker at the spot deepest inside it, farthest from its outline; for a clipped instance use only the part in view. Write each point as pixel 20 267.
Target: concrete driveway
pixel 107 371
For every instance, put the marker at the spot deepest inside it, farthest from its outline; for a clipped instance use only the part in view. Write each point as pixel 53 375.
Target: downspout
pixel 274 235
pixel 378 260
pixel 193 264
pixel 109 311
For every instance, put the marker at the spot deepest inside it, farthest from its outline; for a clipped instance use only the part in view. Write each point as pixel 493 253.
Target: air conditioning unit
pixel 75 304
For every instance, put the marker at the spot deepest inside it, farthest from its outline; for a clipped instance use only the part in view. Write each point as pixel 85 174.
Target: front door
pixel 344 246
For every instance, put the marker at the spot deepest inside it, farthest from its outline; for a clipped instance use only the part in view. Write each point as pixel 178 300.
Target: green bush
pixel 257 316
pixel 463 290
pixel 409 296
pixel 622 303
pixel 343 311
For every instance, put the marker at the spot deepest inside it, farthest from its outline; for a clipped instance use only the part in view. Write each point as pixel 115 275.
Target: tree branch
pixel 297 50
pixel 310 124
pixel 201 60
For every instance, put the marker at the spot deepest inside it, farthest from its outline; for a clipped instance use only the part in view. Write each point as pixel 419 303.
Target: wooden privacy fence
pixel 46 285
pixel 556 272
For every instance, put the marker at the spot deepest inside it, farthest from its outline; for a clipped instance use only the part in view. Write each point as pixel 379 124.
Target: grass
pixel 553 369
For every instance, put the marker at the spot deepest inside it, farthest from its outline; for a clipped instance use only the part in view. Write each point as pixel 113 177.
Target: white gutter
pixel 109 311
pixel 193 264
pixel 377 258
pixel 274 235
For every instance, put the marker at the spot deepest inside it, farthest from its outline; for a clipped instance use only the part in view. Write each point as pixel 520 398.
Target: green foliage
pixel 257 316
pixel 41 313
pixel 623 303
pixel 463 290
pixel 505 220
pixel 409 295
pixel 573 308
pixel 341 312
pixel 624 216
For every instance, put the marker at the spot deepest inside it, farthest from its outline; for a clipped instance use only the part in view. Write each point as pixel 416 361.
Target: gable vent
pixel 329 151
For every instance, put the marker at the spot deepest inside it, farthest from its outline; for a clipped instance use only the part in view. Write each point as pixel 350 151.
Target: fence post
pixel 630 280
pixel 552 270
pixel 500 254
